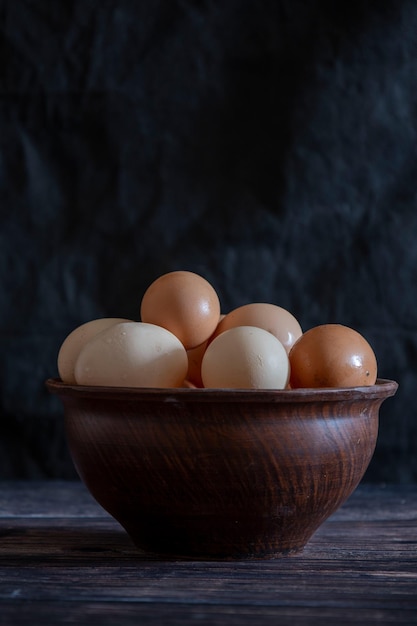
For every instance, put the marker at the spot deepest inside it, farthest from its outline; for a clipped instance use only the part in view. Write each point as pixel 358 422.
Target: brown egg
pixel 195 357
pixel 332 355
pixel 276 320
pixel 184 303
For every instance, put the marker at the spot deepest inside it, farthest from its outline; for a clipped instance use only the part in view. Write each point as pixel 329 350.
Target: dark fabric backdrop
pixel 268 145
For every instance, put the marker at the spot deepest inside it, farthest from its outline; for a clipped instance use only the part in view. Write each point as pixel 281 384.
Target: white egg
pixel 76 340
pixel 245 357
pixel 135 354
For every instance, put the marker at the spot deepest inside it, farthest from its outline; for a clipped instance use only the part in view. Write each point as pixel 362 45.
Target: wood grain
pixel 64 560
pixel 217 473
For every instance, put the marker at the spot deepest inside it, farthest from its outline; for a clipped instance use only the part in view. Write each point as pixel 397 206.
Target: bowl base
pixel 172 546
pixel 243 555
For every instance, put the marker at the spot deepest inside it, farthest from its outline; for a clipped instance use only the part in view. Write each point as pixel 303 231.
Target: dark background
pixel 268 145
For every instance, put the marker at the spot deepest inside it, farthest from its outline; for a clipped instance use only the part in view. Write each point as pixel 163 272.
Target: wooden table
pixel 63 560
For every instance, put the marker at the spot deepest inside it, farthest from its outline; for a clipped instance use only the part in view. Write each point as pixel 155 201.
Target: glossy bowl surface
pixel 215 473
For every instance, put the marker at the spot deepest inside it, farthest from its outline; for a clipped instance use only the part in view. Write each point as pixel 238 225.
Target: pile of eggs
pixel 183 340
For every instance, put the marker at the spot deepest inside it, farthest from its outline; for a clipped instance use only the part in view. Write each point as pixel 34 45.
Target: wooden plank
pixel 70 498
pixel 46 499
pixel 64 560
pixel 370 502
pixel 99 563
pixel 69 538
pixel 132 614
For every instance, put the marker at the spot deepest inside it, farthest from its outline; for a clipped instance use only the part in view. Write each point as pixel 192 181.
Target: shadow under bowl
pixel 216 473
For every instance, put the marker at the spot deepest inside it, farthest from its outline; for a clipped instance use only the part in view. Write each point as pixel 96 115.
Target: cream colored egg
pixel 76 340
pixel 245 357
pixel 134 354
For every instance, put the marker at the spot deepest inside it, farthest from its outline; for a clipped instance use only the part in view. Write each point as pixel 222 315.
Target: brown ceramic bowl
pixel 214 473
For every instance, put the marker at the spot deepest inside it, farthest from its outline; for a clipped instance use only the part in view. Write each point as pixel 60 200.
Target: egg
pixel 134 354
pixel 75 341
pixel 275 319
pixel 332 355
pixel 195 357
pixel 184 303
pixel 245 357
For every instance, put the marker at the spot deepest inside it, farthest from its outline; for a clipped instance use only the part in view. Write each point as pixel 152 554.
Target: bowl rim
pixel 382 389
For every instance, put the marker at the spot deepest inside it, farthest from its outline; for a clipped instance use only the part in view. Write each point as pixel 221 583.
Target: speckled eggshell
pixel 134 354
pixel 76 340
pixel 185 304
pixel 245 357
pixel 332 355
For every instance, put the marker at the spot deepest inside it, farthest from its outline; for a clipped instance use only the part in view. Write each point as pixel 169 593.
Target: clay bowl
pixel 215 474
